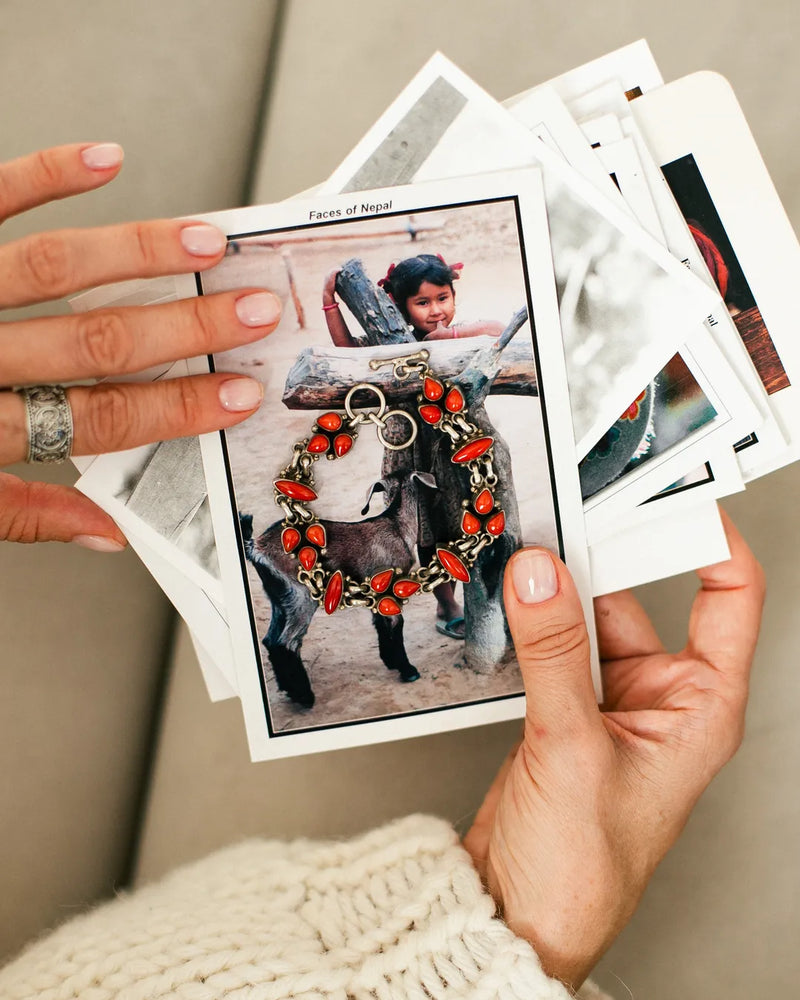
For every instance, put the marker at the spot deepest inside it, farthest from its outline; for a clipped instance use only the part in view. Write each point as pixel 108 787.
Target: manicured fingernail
pixel 102 156
pixel 100 543
pixel 258 309
pixel 239 394
pixel 203 240
pixel 534 576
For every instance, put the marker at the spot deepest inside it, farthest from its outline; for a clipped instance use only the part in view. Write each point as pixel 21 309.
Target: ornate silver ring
pixel 49 422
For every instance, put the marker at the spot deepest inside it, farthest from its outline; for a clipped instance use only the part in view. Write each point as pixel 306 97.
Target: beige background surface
pixel 83 637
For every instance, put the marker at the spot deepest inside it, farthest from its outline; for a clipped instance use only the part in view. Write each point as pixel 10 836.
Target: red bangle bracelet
pixel 333 305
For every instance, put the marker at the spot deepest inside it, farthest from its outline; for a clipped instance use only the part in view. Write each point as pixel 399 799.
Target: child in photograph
pixel 422 289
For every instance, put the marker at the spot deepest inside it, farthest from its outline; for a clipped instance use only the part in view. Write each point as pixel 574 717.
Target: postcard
pixel 443 125
pixel 340 635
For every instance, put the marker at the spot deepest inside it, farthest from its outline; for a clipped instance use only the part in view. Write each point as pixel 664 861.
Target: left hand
pixel 441 332
pixel 586 807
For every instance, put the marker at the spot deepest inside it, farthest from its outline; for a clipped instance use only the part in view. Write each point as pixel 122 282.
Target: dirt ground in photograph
pixel 340 651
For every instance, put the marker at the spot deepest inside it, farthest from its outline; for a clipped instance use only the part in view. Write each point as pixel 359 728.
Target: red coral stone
pixel 496 524
pixel 297 491
pixel 432 389
pixel 381 581
pixel 470 525
pixel 290 539
pixel 453 565
pixel 484 502
pixel 405 588
pixel 330 421
pixel 333 592
pixel 307 557
pixel 389 606
pixel 472 450
pixel 430 414
pixel 318 444
pixel 454 401
pixel 315 534
pixel 342 443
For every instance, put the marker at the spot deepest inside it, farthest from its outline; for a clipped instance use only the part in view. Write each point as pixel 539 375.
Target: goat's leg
pixel 392 648
pixel 288 625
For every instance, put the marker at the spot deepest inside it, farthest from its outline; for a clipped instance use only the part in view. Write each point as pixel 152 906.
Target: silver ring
pixel 49 422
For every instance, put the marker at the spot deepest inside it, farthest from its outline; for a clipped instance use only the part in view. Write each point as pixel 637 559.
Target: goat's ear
pixel 425 478
pixel 379 487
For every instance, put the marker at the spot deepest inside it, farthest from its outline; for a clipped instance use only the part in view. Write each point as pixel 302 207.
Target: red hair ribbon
pixel 453 267
pixel 382 281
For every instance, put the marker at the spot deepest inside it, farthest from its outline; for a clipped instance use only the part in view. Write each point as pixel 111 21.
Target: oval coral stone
pixel 330 421
pixel 405 588
pixel 484 502
pixel 454 401
pixel 474 449
pixel 333 592
pixel 307 557
pixel 381 581
pixel 496 524
pixel 315 534
pixel 318 444
pixel 290 538
pixel 389 606
pixel 297 491
pixel 470 525
pixel 432 389
pixel 453 565
pixel 430 414
pixel 342 443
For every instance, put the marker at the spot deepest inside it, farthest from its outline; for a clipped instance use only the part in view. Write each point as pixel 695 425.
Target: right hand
pixel 109 342
pixel 329 287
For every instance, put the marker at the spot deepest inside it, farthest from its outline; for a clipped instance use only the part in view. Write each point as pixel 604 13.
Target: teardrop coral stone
pixel 330 421
pixel 333 592
pixel 405 588
pixel 430 414
pixel 432 389
pixel 315 534
pixel 484 502
pixel 307 557
pixel 453 565
pixel 290 539
pixel 454 401
pixel 389 606
pixel 342 443
pixel 472 450
pixel 318 444
pixel 295 490
pixel 470 525
pixel 496 524
pixel 381 581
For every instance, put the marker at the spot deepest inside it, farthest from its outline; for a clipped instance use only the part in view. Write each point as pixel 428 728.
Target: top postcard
pixel 416 377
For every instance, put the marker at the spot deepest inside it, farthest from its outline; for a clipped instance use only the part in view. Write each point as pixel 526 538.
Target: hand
pixel 329 287
pixel 584 809
pixel 60 349
pixel 441 332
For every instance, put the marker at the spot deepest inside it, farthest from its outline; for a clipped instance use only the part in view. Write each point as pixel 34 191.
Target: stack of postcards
pixel 595 343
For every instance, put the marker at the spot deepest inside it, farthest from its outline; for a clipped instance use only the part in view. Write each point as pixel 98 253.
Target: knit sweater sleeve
pixel 395 914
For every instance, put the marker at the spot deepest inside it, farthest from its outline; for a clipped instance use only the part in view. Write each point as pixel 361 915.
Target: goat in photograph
pixel 359 549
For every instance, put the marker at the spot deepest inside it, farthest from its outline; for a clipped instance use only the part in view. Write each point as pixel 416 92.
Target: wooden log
pixel 379 317
pixel 321 377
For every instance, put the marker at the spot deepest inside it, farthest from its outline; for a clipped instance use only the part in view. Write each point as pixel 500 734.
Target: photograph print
pixel 401 455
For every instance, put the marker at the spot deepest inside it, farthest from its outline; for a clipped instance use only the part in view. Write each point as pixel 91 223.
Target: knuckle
pixel 48 171
pixel 557 641
pixel 146 244
pixel 20 523
pixel 187 403
pixel 204 327
pixel 109 421
pixel 47 264
pixel 104 344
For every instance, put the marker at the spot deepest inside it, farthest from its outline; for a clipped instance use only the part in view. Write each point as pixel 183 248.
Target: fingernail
pixel 203 240
pixel 239 394
pixel 100 543
pixel 258 309
pixel 534 576
pixel 102 156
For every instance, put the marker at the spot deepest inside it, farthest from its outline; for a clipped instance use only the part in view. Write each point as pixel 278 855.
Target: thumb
pixel 552 642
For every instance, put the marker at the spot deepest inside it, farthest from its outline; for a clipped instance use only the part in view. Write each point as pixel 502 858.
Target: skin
pixel 591 800
pixel 105 343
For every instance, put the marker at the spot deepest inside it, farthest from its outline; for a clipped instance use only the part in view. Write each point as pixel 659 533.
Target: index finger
pixel 726 614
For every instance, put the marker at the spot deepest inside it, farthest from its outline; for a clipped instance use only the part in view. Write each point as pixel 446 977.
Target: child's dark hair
pixel 403 280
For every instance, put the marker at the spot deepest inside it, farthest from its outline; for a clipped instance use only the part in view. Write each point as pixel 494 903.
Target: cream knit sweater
pixel 397 914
